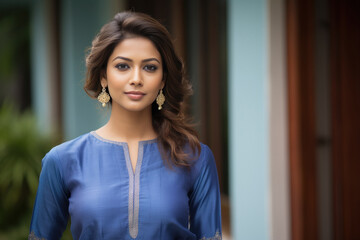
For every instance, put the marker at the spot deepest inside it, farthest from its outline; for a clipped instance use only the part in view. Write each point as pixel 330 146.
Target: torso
pixel 131 186
pixel 109 197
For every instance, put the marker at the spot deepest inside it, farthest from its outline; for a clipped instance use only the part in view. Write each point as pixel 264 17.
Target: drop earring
pixel 103 97
pixel 160 99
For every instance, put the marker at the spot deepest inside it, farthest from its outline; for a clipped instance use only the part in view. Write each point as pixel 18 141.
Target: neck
pixel 129 126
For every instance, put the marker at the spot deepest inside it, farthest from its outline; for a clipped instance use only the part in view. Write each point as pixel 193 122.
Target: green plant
pixel 22 146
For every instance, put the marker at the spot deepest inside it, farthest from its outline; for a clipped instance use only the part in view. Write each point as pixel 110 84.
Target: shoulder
pixel 68 148
pixel 206 155
pixel 205 149
pixel 74 144
pixel 204 160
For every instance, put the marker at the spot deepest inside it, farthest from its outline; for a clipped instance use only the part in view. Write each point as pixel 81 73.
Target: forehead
pixel 137 48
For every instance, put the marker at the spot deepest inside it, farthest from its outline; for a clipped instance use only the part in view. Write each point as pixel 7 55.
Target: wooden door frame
pixel 302 133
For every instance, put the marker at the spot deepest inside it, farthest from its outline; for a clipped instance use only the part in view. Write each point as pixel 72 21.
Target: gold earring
pixel 104 97
pixel 160 99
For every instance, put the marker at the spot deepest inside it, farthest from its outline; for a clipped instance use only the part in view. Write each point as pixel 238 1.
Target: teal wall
pixel 81 20
pixel 41 65
pixel 248 119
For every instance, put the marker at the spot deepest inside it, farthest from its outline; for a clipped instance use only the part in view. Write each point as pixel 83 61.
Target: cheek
pixel 116 80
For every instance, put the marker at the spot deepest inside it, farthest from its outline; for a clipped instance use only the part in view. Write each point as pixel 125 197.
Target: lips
pixel 135 95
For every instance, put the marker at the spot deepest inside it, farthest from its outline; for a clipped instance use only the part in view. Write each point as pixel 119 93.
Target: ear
pixel 163 81
pixel 103 82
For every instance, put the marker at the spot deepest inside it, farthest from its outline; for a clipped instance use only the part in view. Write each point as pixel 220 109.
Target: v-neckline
pixel 134 179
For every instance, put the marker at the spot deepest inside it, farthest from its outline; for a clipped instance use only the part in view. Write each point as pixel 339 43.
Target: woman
pixel 143 175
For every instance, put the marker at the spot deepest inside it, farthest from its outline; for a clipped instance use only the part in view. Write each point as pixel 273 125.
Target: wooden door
pixel 345 80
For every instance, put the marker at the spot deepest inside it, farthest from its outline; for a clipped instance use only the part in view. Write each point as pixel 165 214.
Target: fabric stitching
pixel 32 236
pixel 216 237
pixel 137 186
pixel 134 181
pixel 97 136
pixel 132 229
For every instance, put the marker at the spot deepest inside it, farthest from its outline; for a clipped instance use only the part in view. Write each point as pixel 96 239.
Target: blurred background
pixel 276 97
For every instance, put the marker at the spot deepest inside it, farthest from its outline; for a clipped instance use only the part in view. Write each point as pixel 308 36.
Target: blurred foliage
pixel 22 147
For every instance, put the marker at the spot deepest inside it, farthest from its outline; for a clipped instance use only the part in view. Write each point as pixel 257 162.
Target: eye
pixel 150 68
pixel 122 66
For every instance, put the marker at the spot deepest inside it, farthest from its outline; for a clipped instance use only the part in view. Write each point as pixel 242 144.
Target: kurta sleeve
pixel 205 206
pixel 50 213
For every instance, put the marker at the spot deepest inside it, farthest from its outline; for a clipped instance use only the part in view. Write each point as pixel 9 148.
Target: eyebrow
pixel 130 60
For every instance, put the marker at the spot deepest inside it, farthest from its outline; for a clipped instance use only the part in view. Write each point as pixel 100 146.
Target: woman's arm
pixel 50 214
pixel 205 206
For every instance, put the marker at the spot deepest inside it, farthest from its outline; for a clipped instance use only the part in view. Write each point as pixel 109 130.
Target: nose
pixel 136 78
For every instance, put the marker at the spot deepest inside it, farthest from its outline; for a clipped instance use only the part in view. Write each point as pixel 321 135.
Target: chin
pixel 137 108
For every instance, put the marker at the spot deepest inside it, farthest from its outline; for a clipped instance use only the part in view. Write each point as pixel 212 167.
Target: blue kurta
pixel 91 179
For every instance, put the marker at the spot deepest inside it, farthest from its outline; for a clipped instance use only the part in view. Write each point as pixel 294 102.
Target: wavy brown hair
pixel 175 135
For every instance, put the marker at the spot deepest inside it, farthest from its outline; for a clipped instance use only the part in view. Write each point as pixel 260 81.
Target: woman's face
pixel 134 74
